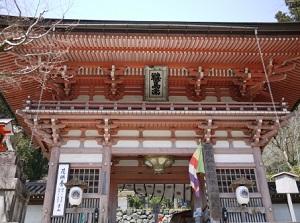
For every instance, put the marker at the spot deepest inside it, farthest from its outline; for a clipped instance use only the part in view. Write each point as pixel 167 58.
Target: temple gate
pixel 127 90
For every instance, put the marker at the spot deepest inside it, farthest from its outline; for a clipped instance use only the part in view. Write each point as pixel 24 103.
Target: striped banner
pixel 196 165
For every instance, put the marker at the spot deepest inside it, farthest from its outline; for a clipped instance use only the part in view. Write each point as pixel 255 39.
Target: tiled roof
pixel 37 190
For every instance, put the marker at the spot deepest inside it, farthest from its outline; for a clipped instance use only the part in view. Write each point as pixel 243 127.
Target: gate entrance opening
pixel 129 174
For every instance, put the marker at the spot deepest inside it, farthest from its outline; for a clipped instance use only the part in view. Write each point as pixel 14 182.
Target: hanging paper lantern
pixel 75 196
pixel 242 195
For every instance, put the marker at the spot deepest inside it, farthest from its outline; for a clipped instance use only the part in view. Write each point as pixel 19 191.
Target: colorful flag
pixel 196 165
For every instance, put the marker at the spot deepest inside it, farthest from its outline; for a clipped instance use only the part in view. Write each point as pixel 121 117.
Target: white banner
pixel 60 190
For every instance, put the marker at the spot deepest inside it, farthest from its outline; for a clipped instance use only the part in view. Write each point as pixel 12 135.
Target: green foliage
pixel 164 202
pixel 283 152
pixel 4 108
pixel 294 12
pixel 154 200
pixel 296 170
pixel 137 202
pixel 134 201
pixel 35 164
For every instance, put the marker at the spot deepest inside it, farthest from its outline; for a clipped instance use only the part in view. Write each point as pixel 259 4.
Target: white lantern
pixel 242 195
pixel 75 196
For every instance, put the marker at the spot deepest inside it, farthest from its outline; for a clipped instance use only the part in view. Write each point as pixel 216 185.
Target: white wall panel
pixel 72 143
pixel 221 144
pixel 80 158
pixel 178 99
pixel 127 143
pixel 91 144
pixel 156 133
pixel 133 98
pixel 226 99
pixel 128 133
pixel 182 133
pixel 237 134
pixel 234 158
pixel 157 144
pixel 240 144
pixel 33 213
pixel 184 144
pixel 92 133
pixel 74 133
pixel 210 99
pixel 220 133
pixel 99 98
pixel 82 98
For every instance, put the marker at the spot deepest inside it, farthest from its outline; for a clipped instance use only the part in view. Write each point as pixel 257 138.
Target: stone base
pixel 14 196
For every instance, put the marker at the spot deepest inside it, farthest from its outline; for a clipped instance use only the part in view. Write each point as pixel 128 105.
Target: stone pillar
pixel 14 197
pixel 212 183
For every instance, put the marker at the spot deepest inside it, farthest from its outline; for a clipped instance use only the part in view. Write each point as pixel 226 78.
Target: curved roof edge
pixel 167 27
pixel 170 27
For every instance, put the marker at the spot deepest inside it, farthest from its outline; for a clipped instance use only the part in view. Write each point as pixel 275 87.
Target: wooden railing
pixel 155 106
pixel 254 212
pixel 88 206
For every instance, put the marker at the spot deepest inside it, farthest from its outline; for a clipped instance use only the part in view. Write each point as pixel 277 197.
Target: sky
pixel 177 10
pixel 161 10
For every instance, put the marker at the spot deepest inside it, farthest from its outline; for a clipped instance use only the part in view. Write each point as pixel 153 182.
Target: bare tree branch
pixel 282 153
pixel 36 50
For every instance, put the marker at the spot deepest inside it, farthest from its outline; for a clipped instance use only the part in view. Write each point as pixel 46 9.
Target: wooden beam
pixel 277 77
pixel 263 185
pixel 179 65
pixel 150 178
pixel 151 151
pixel 50 186
pixel 147 170
pixel 284 68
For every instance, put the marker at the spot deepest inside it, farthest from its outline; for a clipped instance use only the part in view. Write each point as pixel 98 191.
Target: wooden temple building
pixel 128 93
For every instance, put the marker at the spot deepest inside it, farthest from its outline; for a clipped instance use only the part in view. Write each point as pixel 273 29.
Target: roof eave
pixel 170 27
pixel 156 27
